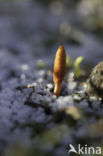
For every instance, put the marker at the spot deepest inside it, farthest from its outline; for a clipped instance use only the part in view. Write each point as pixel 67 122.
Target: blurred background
pixel 37 28
pixel 30 32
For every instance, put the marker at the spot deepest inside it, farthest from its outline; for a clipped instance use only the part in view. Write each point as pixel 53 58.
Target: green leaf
pixel 41 64
pixel 77 69
pixel 68 61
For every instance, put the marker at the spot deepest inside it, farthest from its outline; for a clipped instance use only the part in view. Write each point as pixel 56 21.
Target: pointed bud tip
pixel 61 48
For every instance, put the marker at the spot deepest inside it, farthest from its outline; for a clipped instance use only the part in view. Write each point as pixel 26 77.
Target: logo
pixel 85 150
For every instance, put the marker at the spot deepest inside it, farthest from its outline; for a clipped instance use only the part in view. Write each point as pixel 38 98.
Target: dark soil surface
pixel 33 121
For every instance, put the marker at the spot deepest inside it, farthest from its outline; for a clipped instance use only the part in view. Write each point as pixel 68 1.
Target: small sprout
pixel 41 64
pixel 68 61
pixel 77 69
pixel 59 70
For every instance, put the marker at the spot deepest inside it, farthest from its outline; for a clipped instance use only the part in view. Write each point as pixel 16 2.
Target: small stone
pixel 74 112
pixel 25 67
pixel 77 97
pixel 95 82
pixel 72 85
pixel 63 102
pixel 50 85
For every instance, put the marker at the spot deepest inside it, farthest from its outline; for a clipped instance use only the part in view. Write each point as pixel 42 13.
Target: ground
pixel 32 119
